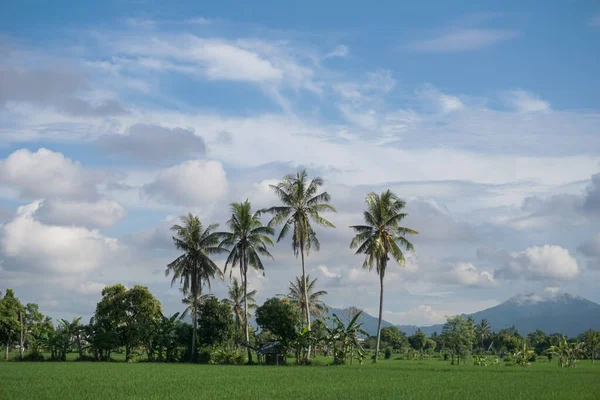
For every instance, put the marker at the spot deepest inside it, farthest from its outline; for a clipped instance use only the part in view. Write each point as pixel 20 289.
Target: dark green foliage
pixel 216 324
pixel 388 353
pixel 281 318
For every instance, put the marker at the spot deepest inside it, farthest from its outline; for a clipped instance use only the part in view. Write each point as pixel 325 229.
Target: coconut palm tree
pixel 237 303
pixel 190 301
pixel 483 331
pixel 194 268
pixel 381 236
pixel 316 306
pixel 301 205
pixel 248 239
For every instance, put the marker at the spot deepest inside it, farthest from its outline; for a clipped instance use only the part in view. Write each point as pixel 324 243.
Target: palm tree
pixel 194 267
pixel 237 303
pixel 248 239
pixel 316 306
pixel 301 205
pixel 483 331
pixel 190 301
pixel 380 236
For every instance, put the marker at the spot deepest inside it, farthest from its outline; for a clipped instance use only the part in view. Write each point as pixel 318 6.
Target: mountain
pixel 563 313
pixel 551 313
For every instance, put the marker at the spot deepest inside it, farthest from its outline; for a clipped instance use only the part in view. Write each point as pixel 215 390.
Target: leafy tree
pixel 394 337
pixel 216 322
pixel 539 341
pixel 458 336
pixel 316 306
pixel 248 240
pixel 236 301
pixel 483 332
pixel 194 267
pixel 10 322
pixel 129 313
pixel 418 341
pixel 567 353
pixel 591 338
pixel 301 205
pixel 381 236
pixel 36 326
pixel 524 355
pixel 281 318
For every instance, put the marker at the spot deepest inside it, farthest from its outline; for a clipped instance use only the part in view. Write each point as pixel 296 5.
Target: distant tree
pixel 539 341
pixel 458 336
pixel 11 311
pixel 591 338
pixel 194 267
pixel 281 318
pixel 483 332
pixel 36 326
pixel 296 295
pixel 129 313
pixel 418 341
pixel 301 205
pixel 351 312
pixel 239 307
pixel 394 337
pixel 344 338
pixel 381 236
pixel 71 333
pixel 216 322
pixel 163 341
pixel 248 239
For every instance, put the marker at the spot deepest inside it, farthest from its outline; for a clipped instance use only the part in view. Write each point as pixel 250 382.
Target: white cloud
pixel 191 183
pixel 90 288
pixel 442 102
pixel 463 40
pixel 101 214
pixel 29 245
pixel 46 174
pixel 526 102
pixel 326 273
pixel 540 262
pixel 339 51
pixel 464 273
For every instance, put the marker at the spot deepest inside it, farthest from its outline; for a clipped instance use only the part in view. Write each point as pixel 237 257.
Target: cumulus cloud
pixel 27 244
pixel 191 183
pixel 536 263
pixel 463 273
pixel 154 143
pixel 526 102
pixel 463 40
pixel 45 173
pixel 100 214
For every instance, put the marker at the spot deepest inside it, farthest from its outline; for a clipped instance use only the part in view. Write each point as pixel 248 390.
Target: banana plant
pixel 523 356
pixel 344 339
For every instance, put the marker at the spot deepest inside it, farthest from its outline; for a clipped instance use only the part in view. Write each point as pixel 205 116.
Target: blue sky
pixel 116 117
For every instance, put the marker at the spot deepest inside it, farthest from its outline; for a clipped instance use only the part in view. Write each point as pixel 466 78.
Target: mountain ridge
pixel 549 312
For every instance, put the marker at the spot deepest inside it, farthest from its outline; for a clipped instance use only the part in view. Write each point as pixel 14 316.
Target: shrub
pixel 388 353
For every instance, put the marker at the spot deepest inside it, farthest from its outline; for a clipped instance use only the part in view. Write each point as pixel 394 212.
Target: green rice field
pixel 431 379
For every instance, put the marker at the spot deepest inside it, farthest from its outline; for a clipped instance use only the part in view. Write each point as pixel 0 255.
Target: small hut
pixel 273 353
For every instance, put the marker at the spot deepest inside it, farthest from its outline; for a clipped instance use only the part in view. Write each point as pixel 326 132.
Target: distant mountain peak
pixel 550 296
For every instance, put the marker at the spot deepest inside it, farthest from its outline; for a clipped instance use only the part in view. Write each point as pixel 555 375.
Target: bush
pixel 388 353
pixel 226 355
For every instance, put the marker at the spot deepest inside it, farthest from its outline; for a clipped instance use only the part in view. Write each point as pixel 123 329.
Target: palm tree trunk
pixel 6 350
pixel 22 337
pixel 306 306
pixel 194 314
pixel 381 275
pixel 246 327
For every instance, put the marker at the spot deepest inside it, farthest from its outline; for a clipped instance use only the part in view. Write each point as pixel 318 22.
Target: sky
pixel 117 117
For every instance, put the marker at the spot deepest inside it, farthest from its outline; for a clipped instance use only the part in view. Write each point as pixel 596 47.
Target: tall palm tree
pixel 381 236
pixel 190 301
pixel 237 301
pixel 301 205
pixel 194 267
pixel 248 239
pixel 316 306
pixel 483 331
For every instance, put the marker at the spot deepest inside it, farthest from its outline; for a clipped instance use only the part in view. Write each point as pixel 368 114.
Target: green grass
pixel 431 379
